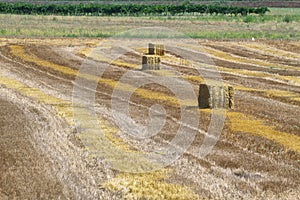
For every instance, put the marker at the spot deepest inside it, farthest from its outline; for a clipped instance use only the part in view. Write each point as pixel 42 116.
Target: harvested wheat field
pixel 45 155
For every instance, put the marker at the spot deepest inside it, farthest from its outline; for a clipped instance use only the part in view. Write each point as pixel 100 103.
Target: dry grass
pixel 238 59
pixel 25 171
pixel 179 61
pixel 149 186
pixel 289 79
pixel 108 145
pixel 134 186
pixel 267 93
pixel 271 50
pixel 88 52
pixel 283 94
pixel 241 123
pixel 63 108
pixel 176 60
pixel 18 51
pixel 249 124
pixel 165 73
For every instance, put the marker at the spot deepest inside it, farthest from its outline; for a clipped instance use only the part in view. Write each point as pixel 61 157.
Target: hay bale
pixel 160 49
pixel 204 97
pixel 156 49
pixel 214 96
pixel 151 49
pixel 230 97
pixel 150 62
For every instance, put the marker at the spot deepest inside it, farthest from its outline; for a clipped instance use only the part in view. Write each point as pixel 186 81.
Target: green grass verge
pixel 211 27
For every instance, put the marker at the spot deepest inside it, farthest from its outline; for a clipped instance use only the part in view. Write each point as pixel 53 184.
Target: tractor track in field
pixel 109 93
pixel 40 158
pixel 267 84
pixel 226 164
pixel 287 46
pixel 63 78
pixel 247 53
pixel 19 150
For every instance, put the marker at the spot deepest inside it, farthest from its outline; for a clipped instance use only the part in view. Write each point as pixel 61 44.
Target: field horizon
pixel 271 26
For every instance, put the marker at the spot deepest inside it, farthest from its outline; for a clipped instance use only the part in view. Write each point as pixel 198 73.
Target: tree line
pixel 126 9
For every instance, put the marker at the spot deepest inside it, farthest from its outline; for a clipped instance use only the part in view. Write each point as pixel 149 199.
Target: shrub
pixel 248 19
pixel 287 19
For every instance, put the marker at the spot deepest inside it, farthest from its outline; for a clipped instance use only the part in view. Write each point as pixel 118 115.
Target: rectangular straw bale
pixel 151 49
pixel 204 97
pixel 215 96
pixel 150 62
pixel 229 97
pixel 156 49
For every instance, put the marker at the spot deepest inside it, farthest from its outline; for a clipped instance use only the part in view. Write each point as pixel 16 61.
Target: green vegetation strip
pixel 126 9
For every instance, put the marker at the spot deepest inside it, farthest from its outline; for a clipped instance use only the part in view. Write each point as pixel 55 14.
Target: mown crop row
pixel 127 9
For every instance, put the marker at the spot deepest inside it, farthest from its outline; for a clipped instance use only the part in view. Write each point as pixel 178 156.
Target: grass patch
pixel 287 19
pixel 246 34
pixel 3 31
pixel 205 26
pixel 283 11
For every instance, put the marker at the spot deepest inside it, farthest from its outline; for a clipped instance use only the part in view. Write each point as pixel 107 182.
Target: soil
pixel 24 169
